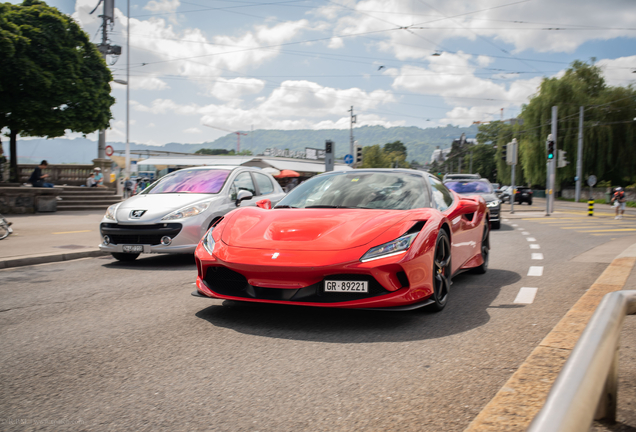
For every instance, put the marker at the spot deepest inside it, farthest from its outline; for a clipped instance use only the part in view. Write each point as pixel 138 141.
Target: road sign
pixel 109 150
pixel 591 180
pixel 348 159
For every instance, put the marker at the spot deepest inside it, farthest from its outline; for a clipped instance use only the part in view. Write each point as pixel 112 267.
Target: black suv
pixel 523 194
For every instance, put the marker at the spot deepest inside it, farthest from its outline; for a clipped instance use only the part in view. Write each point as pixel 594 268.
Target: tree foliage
pixel 388 156
pixel 52 77
pixel 208 151
pixel 609 150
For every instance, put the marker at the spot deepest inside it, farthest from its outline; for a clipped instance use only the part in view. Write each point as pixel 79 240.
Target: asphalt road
pixel 99 345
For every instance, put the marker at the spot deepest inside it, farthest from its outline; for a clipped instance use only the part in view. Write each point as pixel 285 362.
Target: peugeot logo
pixel 136 214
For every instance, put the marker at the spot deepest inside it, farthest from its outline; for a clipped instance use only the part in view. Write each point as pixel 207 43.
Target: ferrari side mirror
pixel 264 204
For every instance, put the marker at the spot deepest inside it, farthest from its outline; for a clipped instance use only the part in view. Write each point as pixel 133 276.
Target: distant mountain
pixel 420 143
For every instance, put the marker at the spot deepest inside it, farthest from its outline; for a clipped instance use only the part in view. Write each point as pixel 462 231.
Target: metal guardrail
pixel 586 388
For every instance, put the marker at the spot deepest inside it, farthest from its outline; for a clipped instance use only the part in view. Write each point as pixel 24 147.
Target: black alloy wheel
pixel 441 271
pixel 485 251
pixel 124 256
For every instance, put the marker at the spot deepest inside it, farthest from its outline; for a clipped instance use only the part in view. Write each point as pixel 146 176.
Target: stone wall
pixel 597 193
pixel 21 200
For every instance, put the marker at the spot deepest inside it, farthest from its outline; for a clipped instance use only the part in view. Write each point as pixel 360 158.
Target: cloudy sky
pixel 301 64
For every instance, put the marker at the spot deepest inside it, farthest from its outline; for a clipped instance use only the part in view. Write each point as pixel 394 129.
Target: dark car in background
pixel 523 194
pixel 482 187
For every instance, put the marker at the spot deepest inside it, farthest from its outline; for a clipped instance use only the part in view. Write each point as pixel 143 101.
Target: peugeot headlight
pixel 494 203
pixel 110 212
pixel 189 211
pixel 208 241
pixel 391 248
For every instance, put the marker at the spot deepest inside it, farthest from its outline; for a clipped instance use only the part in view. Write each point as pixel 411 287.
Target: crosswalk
pixel 596 225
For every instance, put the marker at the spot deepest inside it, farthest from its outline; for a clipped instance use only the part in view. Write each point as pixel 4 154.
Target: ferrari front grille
pixel 225 281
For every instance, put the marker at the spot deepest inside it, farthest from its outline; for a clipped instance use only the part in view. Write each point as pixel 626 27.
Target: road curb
pixel 523 395
pixel 43 259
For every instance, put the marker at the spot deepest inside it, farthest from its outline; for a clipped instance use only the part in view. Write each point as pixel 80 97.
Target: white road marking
pixel 534 246
pixel 520 229
pixel 535 271
pixel 525 233
pixel 526 295
pixel 506 220
pixel 537 256
pixel 515 225
pixel 531 239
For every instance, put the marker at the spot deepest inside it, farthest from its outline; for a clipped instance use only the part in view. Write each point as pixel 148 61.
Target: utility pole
pixel 512 161
pixel 127 167
pixel 352 121
pixel 552 161
pixel 470 171
pixel 579 158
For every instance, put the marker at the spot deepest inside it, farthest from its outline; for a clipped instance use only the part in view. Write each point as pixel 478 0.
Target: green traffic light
pixel 550 156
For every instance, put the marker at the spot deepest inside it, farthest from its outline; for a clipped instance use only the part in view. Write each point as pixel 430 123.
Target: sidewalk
pixel 563 208
pixel 43 238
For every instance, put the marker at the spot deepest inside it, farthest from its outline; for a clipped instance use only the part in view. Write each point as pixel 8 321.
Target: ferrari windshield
pixel 209 181
pixel 369 190
pixel 465 187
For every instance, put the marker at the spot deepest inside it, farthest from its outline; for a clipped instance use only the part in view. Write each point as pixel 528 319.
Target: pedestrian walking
pixel 128 188
pixel 619 200
pixel 37 178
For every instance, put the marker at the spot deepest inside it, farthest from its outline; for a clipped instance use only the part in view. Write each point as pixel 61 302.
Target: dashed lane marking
pixel 534 246
pixel 526 295
pixel 531 239
pixel 525 233
pixel 537 256
pixel 535 271
pixel 515 225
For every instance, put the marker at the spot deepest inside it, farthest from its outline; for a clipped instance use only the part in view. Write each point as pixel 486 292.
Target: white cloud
pixel 231 89
pixel 192 130
pixel 169 6
pixel 620 71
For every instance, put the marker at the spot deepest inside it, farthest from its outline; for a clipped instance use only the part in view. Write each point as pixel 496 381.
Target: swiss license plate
pixel 347 286
pixel 133 248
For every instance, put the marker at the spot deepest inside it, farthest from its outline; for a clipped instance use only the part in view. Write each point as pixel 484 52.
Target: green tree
pixel 374 157
pixel 609 149
pixel 52 77
pixel 396 147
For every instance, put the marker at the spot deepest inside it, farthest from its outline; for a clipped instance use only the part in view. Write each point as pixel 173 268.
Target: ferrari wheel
pixel 441 271
pixel 485 251
pixel 124 256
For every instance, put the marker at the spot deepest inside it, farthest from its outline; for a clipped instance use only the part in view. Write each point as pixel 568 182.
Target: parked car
pixel 482 187
pixel 504 194
pixel 461 176
pixel 172 214
pixel 523 194
pixel 368 238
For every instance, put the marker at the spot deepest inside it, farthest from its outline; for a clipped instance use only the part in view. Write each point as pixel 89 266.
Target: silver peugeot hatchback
pixel 172 214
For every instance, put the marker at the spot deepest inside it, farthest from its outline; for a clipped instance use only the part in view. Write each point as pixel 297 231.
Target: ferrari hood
pixel 307 229
pixel 153 206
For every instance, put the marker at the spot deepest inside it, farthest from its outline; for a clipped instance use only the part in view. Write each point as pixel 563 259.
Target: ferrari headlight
pixel 389 249
pixel 494 203
pixel 189 211
pixel 208 241
pixel 110 212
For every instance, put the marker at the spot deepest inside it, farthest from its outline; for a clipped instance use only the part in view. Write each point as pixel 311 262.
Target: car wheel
pixel 495 225
pixel 124 256
pixel 441 272
pixel 530 202
pixel 485 250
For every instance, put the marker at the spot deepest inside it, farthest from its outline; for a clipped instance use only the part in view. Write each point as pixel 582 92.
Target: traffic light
pixel 561 161
pixel 358 155
pixel 550 149
pixel 329 147
pixel 504 153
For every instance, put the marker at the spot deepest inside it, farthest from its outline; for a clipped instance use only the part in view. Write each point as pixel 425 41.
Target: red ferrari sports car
pixel 386 239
